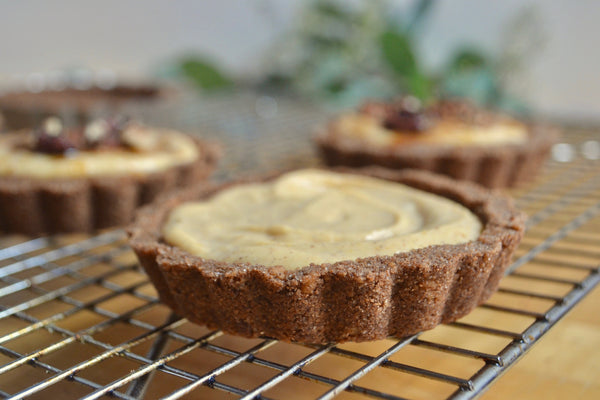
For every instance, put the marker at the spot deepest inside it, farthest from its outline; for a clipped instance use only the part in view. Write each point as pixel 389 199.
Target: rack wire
pixel 80 319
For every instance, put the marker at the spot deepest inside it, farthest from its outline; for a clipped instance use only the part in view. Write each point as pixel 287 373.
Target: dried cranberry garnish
pixel 51 138
pixel 403 120
pixel 404 114
pixel 53 144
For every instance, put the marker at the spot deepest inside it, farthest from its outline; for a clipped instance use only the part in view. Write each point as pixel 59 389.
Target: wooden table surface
pixel 565 364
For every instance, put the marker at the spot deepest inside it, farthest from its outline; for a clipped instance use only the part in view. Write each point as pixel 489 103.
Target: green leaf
pixel 398 53
pixel 204 74
pixel 467 58
pixel 420 86
pixel 336 86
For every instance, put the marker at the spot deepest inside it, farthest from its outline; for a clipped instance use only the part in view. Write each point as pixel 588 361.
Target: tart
pixel 451 137
pixel 237 269
pixel 56 179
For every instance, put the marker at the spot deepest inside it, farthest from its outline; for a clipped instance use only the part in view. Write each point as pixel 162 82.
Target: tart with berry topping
pixel 328 255
pixel 57 179
pixel 451 137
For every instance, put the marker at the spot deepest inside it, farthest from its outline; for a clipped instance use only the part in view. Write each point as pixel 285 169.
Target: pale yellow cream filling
pixel 312 216
pixel 449 132
pixel 169 149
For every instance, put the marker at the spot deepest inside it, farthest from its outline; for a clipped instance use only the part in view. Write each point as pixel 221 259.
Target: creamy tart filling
pixel 445 132
pixel 158 150
pixel 313 216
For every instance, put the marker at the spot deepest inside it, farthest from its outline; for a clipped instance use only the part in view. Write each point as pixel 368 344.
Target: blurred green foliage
pixel 397 51
pixel 203 73
pixel 342 52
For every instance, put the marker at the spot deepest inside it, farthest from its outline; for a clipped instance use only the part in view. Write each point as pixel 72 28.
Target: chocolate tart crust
pixel 354 300
pixel 493 166
pixel 35 206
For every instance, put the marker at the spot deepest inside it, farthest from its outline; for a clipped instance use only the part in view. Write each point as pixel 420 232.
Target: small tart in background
pixel 280 257
pixel 55 179
pixel 24 109
pixel 451 137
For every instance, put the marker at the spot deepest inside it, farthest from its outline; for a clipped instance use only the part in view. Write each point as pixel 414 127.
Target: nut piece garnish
pixel 140 139
pixel 96 130
pixel 52 126
pixel 51 138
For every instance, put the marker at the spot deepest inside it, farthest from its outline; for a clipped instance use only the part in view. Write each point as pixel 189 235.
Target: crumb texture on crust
pixel 365 299
pixel 495 166
pixel 44 206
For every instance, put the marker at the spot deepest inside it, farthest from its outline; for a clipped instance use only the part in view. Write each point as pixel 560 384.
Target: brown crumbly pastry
pixel 357 300
pixel 413 137
pixel 35 205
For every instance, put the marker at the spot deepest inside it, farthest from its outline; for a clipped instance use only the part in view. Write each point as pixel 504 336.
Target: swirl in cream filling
pixel 312 216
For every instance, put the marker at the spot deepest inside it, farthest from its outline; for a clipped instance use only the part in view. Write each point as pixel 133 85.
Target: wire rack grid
pixel 79 319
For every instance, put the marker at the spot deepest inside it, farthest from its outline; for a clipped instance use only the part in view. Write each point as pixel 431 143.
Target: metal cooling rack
pixel 78 318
